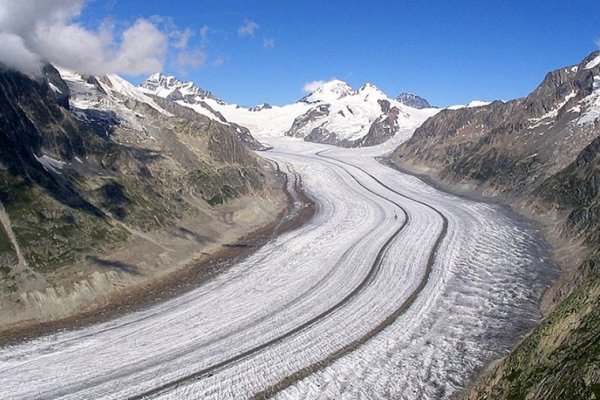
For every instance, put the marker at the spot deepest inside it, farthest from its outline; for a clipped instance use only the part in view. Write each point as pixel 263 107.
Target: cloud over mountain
pixel 33 32
pixel 310 87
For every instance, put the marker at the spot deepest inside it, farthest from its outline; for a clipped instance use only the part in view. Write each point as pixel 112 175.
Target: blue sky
pixel 447 52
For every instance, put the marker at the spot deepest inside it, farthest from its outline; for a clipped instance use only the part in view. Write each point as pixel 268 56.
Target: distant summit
pixel 174 89
pixel 329 92
pixel 260 107
pixel 340 115
pixel 333 112
pixel 414 101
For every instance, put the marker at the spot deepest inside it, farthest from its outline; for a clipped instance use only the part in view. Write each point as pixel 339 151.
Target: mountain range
pixel 334 113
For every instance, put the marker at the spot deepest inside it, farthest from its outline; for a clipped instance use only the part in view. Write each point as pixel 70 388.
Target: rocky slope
pixel 102 187
pixel 412 100
pixel 334 113
pixel 190 95
pixel 539 154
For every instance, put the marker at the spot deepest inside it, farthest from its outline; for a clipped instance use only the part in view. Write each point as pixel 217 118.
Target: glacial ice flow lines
pixel 388 281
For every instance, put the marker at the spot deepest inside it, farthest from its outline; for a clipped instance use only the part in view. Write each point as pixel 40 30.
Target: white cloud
pixel 33 32
pixel 182 38
pixel 191 58
pixel 15 55
pixel 219 61
pixel 248 28
pixel 204 31
pixel 310 87
pixel 143 49
pixel 268 43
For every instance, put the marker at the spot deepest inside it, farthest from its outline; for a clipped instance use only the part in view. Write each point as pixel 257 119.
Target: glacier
pixel 393 289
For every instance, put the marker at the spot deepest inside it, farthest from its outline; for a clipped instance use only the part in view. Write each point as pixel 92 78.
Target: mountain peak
pixel 369 88
pixel 412 100
pixel 329 91
pixel 260 107
pixel 168 86
pixel 156 77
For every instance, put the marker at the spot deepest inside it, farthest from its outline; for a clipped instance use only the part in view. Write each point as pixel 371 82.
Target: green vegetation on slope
pixel 560 359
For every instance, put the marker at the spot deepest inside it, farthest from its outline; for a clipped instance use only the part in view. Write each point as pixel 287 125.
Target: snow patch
pixel 592 114
pixel 547 118
pixel 54 88
pixel 593 63
pixel 50 164
pixel 472 104
pixel 121 86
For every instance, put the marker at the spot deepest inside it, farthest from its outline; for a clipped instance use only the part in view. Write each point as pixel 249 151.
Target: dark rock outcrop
pixel 68 187
pixel 312 115
pixel 260 107
pixel 412 100
pixel 383 128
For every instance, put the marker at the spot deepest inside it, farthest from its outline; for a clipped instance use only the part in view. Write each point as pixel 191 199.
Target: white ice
pixel 248 329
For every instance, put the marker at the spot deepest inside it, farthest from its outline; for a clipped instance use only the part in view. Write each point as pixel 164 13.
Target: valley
pixel 159 242
pixel 320 292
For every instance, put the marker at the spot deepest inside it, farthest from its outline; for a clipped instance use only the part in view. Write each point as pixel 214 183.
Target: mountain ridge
pixel 412 100
pixel 540 155
pixel 333 113
pixel 101 189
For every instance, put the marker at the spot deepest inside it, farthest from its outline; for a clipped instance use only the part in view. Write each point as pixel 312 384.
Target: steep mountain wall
pixel 539 155
pixel 101 188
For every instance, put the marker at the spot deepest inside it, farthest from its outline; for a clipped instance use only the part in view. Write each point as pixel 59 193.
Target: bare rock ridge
pixel 541 155
pixel 188 94
pixel 412 100
pixel 92 171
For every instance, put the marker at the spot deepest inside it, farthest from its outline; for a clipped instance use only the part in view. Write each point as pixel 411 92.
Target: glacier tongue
pixel 282 309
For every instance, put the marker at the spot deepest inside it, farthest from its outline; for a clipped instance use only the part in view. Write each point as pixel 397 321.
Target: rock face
pixel 383 128
pixel 190 95
pixel 540 154
pixel 412 100
pixel 87 163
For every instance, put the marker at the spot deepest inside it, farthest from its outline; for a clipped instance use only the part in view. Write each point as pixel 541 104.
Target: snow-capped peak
pixel 329 92
pixel 369 90
pixel 158 80
pixel 171 87
pixel 158 76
